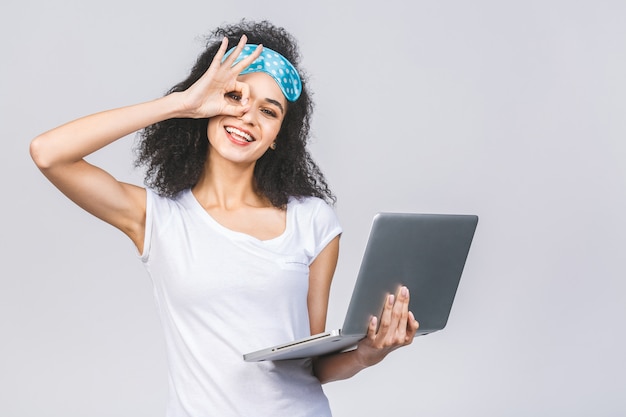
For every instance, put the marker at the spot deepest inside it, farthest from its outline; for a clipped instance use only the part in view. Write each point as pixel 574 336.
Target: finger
pixel 240 45
pixel 371 328
pixel 233 110
pixel 236 108
pixel 244 63
pixel 400 312
pixel 222 50
pixel 385 317
pixel 411 329
pixel 244 90
pixel 396 334
pixel 413 323
pixel 217 59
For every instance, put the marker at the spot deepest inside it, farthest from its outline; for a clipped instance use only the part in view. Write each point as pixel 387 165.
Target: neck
pixel 226 185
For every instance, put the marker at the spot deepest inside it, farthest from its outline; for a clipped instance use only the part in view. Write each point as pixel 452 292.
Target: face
pixel 245 139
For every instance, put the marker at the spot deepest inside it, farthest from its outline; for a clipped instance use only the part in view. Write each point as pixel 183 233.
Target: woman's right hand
pixel 60 152
pixel 207 97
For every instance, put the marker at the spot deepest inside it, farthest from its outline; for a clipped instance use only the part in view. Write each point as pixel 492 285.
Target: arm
pixel 397 324
pixel 59 153
pixel 321 274
pixel 397 329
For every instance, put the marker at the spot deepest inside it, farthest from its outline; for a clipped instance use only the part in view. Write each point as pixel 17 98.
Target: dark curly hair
pixel 174 151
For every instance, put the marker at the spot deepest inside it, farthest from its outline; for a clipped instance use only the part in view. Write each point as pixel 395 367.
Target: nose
pixel 248 117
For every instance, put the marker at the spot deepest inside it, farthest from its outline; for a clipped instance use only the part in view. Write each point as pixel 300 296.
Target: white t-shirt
pixel 221 294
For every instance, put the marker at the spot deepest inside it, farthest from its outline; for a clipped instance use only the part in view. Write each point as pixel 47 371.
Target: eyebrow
pixel 276 103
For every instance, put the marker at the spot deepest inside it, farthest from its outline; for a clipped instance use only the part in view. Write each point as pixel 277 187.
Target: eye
pixel 269 112
pixel 233 96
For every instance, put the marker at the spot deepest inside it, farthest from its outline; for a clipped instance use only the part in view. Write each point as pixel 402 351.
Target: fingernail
pixel 391 297
pixel 244 101
pixel 404 291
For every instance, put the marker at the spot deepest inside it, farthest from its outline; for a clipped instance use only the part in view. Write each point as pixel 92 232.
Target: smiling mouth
pixel 240 134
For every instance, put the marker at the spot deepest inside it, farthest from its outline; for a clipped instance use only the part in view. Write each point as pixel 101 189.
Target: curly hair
pixel 174 151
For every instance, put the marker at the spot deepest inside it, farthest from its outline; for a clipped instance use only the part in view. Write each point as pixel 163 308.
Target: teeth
pixel 243 135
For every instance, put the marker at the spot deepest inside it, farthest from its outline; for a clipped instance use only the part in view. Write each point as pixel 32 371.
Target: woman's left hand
pixel 397 328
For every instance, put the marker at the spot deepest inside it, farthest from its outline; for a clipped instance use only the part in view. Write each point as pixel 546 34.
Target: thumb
pixel 234 110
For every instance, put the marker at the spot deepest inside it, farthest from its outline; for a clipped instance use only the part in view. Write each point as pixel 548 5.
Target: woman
pixel 235 229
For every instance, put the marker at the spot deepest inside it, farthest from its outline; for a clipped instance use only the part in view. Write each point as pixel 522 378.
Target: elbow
pixel 39 153
pixel 317 372
pixel 320 370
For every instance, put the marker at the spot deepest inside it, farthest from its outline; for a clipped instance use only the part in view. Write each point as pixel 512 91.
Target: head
pixel 175 151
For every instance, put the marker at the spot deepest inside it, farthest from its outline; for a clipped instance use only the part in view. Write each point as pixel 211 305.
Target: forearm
pixel 73 141
pixel 397 328
pixel 337 366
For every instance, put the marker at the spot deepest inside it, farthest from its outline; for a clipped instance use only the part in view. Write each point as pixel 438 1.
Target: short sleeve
pixel 158 213
pixel 325 226
pixel 148 227
pixel 315 225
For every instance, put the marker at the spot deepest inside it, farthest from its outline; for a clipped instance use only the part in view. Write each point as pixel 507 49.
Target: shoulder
pixel 311 208
pixel 309 203
pixel 160 208
pixel 316 222
pixel 163 215
pixel 180 199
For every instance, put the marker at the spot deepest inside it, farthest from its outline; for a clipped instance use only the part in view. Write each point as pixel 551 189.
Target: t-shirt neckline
pixel 189 195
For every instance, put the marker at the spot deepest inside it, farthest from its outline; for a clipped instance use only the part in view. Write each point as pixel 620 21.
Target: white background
pixel 514 111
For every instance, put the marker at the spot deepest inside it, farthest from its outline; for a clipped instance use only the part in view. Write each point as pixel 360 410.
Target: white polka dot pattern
pixel 275 65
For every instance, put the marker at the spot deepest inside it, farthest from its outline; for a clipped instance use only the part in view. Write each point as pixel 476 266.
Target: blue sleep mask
pixel 275 65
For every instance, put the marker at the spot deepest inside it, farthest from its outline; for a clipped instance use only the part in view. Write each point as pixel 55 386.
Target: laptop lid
pixel 426 253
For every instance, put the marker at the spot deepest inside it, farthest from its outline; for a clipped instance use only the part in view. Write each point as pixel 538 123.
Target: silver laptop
pixel 425 252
